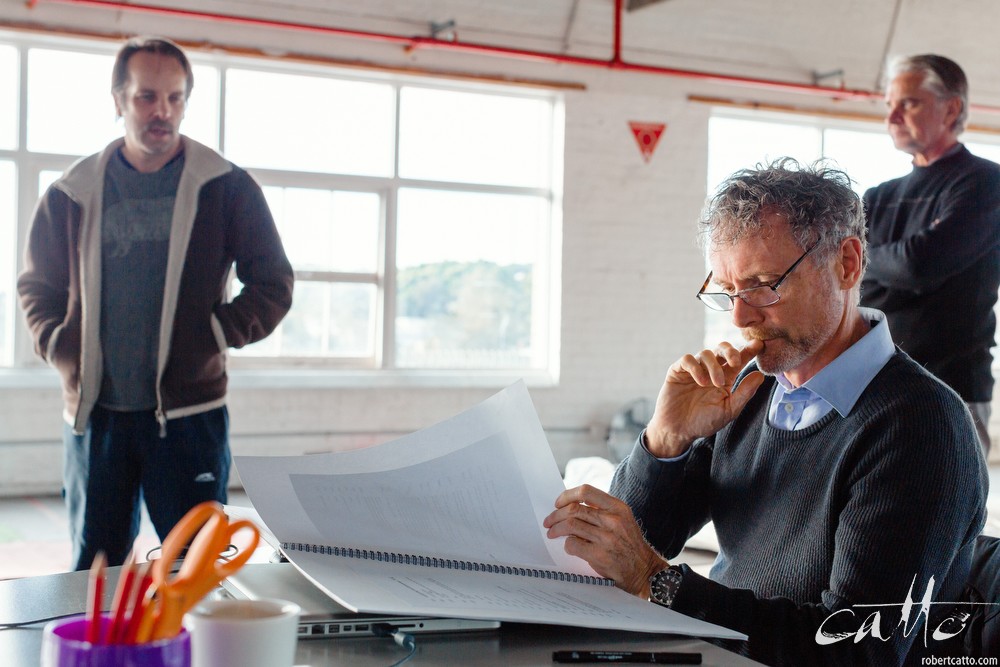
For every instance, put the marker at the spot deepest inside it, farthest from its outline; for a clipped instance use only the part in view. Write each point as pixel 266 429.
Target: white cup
pixel 243 633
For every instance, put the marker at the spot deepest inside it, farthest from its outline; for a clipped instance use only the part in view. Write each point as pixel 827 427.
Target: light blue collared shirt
pixel 838 385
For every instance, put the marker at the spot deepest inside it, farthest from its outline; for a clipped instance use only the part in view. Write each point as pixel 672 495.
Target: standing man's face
pixel 919 122
pixel 152 105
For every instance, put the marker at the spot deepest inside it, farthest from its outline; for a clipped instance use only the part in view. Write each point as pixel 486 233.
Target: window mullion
pixel 27 196
pixel 388 291
pixel 221 92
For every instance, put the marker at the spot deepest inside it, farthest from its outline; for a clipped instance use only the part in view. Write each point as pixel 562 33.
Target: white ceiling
pixel 778 39
pixel 785 40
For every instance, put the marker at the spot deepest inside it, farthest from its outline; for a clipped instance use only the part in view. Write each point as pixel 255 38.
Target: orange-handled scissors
pixel 208 531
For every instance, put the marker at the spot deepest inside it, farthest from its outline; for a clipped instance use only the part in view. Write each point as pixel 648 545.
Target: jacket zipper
pixel 161 419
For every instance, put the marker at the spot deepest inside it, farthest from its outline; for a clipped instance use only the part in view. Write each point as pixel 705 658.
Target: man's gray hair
pixel 816 200
pixel 942 77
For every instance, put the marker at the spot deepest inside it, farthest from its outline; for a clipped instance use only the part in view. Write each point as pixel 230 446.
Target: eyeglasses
pixel 760 296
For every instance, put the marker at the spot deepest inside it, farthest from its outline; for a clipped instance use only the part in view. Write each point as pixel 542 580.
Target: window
pixel 449 135
pixel 419 215
pixel 332 239
pixel 55 76
pixel 465 300
pixel 862 149
pixel 328 125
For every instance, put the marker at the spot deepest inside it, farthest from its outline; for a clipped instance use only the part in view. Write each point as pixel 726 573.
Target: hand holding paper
pixel 447 521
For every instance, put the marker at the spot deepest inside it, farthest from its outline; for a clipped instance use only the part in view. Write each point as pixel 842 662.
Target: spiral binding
pixel 446 563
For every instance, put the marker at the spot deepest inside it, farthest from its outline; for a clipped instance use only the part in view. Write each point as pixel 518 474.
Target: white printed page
pixel 470 504
pixel 476 487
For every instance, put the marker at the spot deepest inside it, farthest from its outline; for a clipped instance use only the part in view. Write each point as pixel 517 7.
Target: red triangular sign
pixel 647 135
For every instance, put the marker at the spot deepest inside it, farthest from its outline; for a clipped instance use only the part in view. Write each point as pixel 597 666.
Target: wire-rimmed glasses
pixel 759 296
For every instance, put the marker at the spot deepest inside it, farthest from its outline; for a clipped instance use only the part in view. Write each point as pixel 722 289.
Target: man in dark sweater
pixel 843 479
pixel 934 235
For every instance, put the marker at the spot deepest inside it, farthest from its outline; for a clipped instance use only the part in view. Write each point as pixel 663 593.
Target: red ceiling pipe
pixel 616 56
pixel 485 49
pixel 235 20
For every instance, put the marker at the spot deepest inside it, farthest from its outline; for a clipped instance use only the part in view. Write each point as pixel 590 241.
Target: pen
pixel 149 611
pixel 95 598
pixel 137 606
pixel 119 606
pixel 647 657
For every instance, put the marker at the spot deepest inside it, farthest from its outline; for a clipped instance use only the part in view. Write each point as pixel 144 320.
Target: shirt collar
pixel 841 382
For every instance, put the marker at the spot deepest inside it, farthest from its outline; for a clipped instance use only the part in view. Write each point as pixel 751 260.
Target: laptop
pixel 324 617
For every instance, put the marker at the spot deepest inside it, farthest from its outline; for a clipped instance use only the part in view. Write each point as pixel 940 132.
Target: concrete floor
pixel 34 535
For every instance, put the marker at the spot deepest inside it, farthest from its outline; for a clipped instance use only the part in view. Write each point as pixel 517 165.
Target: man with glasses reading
pixel 837 471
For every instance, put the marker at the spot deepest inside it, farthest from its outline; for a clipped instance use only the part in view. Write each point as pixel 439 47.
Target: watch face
pixel 663 586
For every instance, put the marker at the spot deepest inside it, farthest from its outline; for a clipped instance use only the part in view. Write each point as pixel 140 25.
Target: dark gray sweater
pixel 844 512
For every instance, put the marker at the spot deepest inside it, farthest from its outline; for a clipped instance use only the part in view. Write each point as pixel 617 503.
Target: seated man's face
pixel 797 328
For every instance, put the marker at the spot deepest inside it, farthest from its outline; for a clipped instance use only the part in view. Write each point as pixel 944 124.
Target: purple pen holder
pixel 63 645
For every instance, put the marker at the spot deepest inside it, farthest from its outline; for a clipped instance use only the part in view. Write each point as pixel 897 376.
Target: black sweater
pixel 934 266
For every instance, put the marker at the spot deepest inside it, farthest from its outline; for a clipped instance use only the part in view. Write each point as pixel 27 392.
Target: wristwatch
pixel 664 584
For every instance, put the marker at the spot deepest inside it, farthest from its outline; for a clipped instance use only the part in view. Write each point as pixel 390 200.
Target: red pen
pixel 119 605
pixel 138 604
pixel 149 613
pixel 95 598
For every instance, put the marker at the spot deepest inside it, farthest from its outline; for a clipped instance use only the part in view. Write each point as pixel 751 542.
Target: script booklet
pixel 446 521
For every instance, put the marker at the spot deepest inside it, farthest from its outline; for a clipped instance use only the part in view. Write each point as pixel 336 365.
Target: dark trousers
pixel 121 460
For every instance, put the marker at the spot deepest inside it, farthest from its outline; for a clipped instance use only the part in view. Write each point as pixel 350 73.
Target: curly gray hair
pixel 816 200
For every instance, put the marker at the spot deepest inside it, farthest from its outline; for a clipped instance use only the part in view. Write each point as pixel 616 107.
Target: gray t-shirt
pixel 135 233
